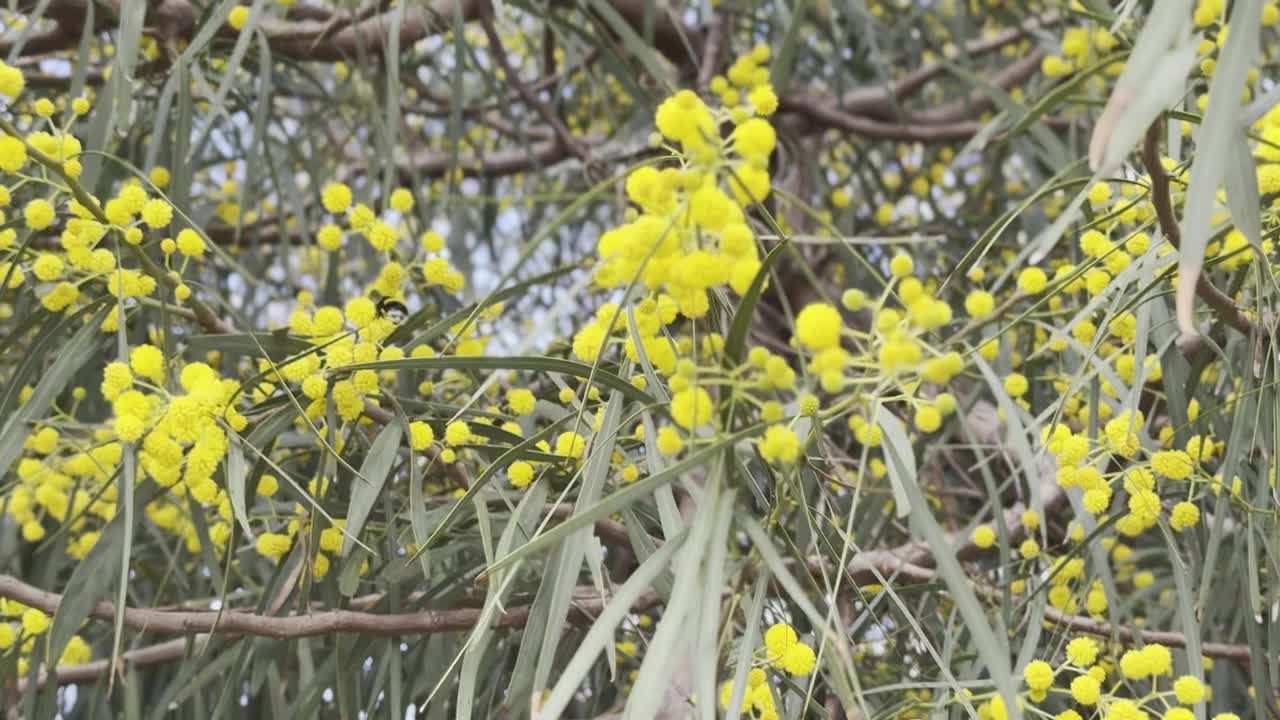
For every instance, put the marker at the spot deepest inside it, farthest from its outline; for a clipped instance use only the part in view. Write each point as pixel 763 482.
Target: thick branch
pixel 587 604
pixel 880 102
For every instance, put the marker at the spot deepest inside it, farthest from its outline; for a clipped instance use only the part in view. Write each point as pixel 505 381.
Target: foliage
pixel 603 359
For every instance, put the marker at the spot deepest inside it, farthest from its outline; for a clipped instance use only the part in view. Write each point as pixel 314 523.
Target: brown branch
pixel 1130 635
pixel 315 35
pixel 499 53
pixel 91 671
pixel 512 161
pixel 823 114
pixel 1161 197
pixel 587 604
pixel 880 102
pixel 978 101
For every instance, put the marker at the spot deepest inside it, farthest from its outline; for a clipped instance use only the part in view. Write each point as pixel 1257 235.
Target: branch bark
pixel 587 604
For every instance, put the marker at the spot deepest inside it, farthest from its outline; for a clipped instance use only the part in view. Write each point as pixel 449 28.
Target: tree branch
pixel 587 604
pixel 1222 305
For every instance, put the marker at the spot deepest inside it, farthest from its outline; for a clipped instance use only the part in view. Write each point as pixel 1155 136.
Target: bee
pixel 393 310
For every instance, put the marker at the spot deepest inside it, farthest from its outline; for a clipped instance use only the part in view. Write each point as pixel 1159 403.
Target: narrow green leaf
pixel 375 468
pixel 70 358
pixel 236 477
pixel 1213 149
pixel 902 460
pixel 601 634
pixel 618 500
pixel 993 653
pixel 533 364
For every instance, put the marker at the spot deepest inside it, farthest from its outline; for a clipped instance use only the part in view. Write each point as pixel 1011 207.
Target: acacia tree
pixel 618 358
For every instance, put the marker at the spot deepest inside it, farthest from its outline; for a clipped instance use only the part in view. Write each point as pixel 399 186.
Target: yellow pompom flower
pixel 901 265
pixel 669 440
pixel 691 408
pixel 39 214
pixel 571 444
pixel 273 545
pixel 979 303
pixel 401 200
pixel 1086 690
pixel 238 17
pixel 1184 515
pixel 818 326
pixel 520 473
pixel 1038 675
pixel 190 243
pixel 336 198
pixel 35 622
pixel 157 213
pixel 779 446
pixel 420 435
pixel 1188 690
pixel 1032 281
pixel 1082 651
pixel 457 433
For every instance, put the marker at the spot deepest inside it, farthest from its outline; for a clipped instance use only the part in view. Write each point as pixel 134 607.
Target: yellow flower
pixel 190 243
pixel 1188 690
pixel 401 200
pixel 779 446
pixel 571 444
pixel 273 545
pixel 691 408
pixel 336 197
pixel 1032 281
pixel 799 660
pixel 38 214
pixel 35 622
pixel 818 326
pixel 1086 690
pixel 1039 675
pixel 1184 515
pixel 778 640
pixel 420 435
pixel 979 303
pixel 268 486
pixel 1082 651
pixel 901 265
pixel 457 433
pixel 156 213
pixel 238 17
pixel 669 440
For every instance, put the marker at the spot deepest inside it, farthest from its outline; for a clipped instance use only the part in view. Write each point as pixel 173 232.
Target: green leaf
pixel 901 459
pixel 736 341
pixel 1242 188
pixel 601 634
pixel 236 477
pixel 277 345
pixel 375 468
pixel 532 364
pixel 619 499
pixel 1214 140
pixel 993 653
pixel 69 359
pixel 88 583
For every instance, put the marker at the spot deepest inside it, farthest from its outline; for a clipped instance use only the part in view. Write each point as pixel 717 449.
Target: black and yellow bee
pixel 393 310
